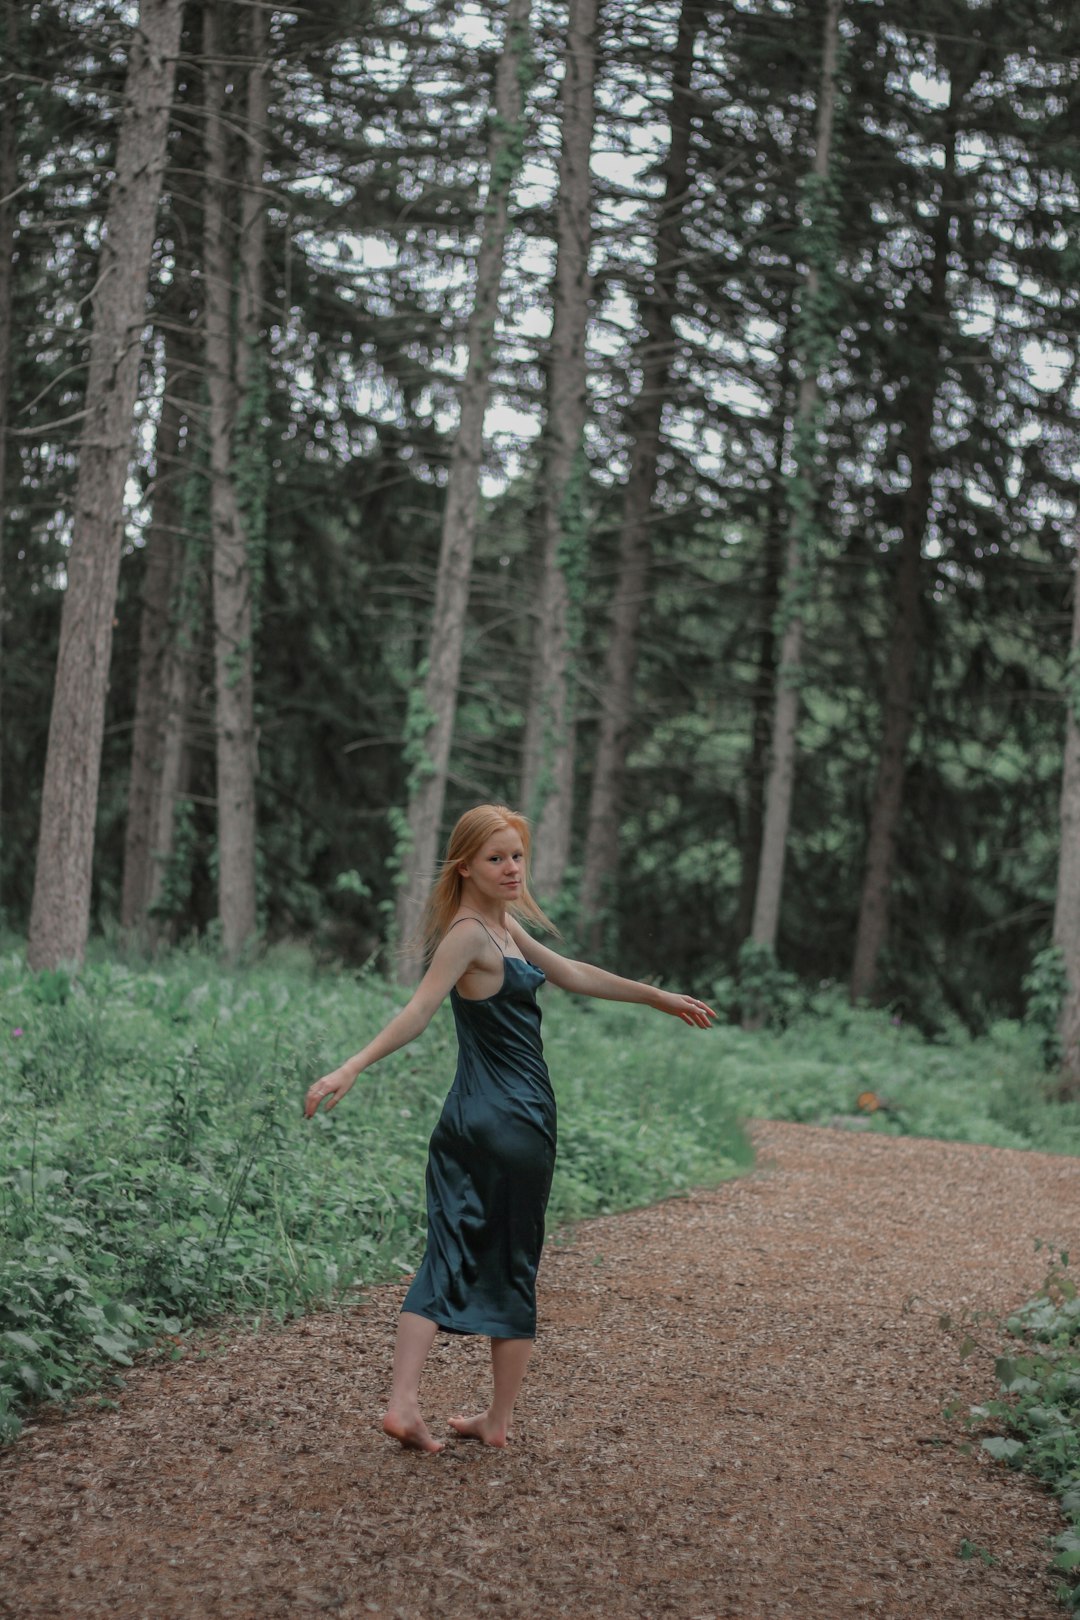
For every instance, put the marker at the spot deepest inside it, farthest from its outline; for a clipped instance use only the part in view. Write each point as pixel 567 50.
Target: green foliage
pixel 764 995
pixel 972 1549
pixel 155 1170
pixel 508 139
pixel 174 896
pixel 420 717
pixel 1039 1407
pixel 1045 988
pixel 816 1068
pixel 573 550
pixel 1072 684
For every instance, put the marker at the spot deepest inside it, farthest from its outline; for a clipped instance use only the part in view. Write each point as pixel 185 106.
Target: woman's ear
pixel 463 869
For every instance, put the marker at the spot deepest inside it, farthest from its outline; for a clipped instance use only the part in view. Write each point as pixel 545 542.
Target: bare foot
pixel 413 1433
pixel 482 1427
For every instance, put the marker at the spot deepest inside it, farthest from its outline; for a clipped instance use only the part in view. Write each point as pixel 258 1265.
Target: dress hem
pixel 486 1330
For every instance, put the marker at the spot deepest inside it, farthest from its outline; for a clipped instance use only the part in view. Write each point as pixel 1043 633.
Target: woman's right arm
pixel 456 953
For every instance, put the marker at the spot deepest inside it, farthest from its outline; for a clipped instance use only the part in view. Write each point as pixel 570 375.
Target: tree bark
pixel 163 631
pixel 163 550
pixel 188 622
pixel 231 571
pixel 620 663
pixel 781 777
pixel 761 704
pixel 762 701
pixel 548 761
pixel 1067 902
pixel 60 914
pixel 252 246
pixel 887 802
pixel 9 22
pixel 431 722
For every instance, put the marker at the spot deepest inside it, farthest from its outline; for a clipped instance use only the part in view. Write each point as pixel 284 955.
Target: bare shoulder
pixel 541 956
pixel 459 950
pixel 466 940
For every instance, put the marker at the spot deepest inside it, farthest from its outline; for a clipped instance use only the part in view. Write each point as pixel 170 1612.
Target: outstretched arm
pixel 583 979
pixel 454 956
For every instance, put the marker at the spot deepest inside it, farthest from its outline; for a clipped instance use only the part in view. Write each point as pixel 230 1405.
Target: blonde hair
pixel 472 832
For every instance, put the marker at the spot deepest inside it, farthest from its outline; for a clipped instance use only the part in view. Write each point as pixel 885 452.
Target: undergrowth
pixel 156 1172
pixel 1036 1416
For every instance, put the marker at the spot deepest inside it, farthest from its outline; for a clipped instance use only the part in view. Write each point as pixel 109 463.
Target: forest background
pixel 660 418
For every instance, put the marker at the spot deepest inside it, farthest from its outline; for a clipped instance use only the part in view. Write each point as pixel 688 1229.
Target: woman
pixel 493 1151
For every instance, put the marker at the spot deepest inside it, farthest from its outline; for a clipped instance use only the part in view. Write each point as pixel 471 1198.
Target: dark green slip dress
pixel 490 1163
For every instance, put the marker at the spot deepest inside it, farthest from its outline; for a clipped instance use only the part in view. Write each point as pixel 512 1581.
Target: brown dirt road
pixel 734 1410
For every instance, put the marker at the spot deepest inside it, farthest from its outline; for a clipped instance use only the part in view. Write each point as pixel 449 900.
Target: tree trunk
pixel 9 38
pixel 60 914
pixel 188 616
pixel 1067 902
pixel 168 561
pixel 762 701
pixel 548 762
pixel 781 778
pixel 620 664
pixel 761 705
pixel 431 722
pixel 252 249
pixel 163 550
pixel 887 803
pixel 231 571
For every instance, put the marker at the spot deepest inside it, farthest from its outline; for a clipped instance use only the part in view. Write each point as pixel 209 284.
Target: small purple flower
pixel 16 1033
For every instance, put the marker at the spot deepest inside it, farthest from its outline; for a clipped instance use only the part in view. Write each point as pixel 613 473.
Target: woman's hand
pixel 331 1087
pixel 688 1008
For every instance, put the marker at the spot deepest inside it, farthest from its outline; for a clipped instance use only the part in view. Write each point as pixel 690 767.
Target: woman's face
pixel 497 871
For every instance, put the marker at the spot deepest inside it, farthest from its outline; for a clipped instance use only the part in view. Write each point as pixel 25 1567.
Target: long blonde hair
pixel 472 832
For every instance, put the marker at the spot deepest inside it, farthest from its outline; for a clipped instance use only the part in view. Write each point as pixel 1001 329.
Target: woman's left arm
pixel 583 979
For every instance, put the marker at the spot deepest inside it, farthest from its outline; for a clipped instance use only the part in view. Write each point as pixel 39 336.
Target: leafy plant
pixel 1045 988
pixel 766 992
pixel 1039 1407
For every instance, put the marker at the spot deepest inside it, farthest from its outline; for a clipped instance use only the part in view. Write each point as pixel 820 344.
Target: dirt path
pixel 730 1413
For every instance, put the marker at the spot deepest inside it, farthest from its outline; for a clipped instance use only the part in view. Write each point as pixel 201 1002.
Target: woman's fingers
pixel 697 1012
pixel 316 1093
pixel 689 1009
pixel 330 1089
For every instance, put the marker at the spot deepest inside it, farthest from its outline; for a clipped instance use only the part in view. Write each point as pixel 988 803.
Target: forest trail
pixel 734 1410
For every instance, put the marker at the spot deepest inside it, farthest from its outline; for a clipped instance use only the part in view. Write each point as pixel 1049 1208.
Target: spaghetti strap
pixel 484 926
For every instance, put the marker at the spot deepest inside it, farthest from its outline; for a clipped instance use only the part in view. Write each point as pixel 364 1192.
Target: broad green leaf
pixel 22 1341
pixel 116 1349
pixel 1001 1448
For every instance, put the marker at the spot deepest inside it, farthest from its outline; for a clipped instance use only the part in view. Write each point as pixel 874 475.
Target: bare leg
pixel 509 1359
pixel 415 1336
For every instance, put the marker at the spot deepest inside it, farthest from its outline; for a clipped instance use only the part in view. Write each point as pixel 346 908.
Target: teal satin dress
pixel 490 1163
